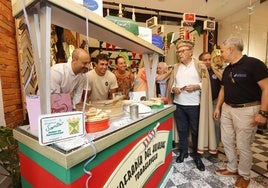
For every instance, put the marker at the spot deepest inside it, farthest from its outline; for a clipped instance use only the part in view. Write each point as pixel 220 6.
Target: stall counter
pixel 139 153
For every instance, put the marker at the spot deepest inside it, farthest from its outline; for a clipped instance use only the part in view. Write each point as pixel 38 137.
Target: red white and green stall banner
pixel 142 160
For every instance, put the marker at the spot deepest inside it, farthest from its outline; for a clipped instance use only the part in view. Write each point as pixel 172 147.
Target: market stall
pixel 130 152
pixel 73 16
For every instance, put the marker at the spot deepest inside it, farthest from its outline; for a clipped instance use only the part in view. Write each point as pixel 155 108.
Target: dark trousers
pixel 187 119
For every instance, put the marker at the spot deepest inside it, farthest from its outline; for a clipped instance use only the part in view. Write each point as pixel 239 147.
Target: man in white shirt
pixel 102 82
pixel 186 89
pixel 70 77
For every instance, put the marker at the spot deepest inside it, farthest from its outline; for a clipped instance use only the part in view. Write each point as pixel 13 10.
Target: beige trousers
pixel 237 135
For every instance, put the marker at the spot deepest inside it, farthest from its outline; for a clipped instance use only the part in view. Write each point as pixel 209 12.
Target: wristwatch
pixel 263 113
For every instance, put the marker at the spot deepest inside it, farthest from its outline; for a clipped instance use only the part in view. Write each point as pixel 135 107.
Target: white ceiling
pixel 218 9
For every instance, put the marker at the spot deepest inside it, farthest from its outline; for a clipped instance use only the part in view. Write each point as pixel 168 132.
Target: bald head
pixel 77 52
pixel 80 61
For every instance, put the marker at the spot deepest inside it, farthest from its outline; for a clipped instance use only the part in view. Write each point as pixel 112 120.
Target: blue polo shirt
pixel 240 80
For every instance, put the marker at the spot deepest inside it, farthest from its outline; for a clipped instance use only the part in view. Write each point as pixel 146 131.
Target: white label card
pixel 60 126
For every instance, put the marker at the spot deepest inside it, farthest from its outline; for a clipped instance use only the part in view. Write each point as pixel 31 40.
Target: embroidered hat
pixel 184 43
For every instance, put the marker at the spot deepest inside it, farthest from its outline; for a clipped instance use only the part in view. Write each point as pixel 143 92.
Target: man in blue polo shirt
pixel 244 101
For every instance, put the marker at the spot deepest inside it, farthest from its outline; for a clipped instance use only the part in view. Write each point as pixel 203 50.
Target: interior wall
pixel 253 28
pixel 9 73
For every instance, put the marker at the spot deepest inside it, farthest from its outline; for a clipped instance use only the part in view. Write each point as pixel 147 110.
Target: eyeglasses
pixel 182 51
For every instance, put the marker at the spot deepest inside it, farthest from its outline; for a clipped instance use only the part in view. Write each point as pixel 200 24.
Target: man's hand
pixel 259 120
pixel 191 88
pixel 176 90
pixel 216 114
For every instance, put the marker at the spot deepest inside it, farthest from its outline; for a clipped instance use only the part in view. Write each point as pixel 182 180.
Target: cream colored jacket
pixel 206 132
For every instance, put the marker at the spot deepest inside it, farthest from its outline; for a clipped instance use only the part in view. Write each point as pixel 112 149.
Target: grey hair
pixel 164 64
pixel 235 41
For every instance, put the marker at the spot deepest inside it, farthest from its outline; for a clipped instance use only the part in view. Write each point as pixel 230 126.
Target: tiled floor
pixel 260 154
pixel 4 181
pixel 187 175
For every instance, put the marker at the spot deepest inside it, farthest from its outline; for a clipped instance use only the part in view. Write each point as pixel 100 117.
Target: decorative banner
pixel 109 54
pixel 142 161
pixel 133 65
pixel 182 30
pixel 198 30
pixel 107 45
pixel 169 37
pixel 107 161
pixel 101 42
pixel 133 55
pixel 113 47
pixel 186 35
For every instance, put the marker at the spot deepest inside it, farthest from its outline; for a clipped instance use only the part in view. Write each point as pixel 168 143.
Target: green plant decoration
pixel 9 159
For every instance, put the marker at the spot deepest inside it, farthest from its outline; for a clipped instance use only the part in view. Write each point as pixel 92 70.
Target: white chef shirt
pixel 63 80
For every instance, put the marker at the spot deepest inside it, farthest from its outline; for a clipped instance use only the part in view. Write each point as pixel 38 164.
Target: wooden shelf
pixel 71 15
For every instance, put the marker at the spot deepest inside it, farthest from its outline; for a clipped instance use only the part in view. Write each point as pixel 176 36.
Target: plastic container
pixel 34 110
pixel 157 106
pixel 96 126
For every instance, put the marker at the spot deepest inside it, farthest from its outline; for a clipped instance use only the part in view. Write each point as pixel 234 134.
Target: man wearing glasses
pixel 188 79
pixel 244 101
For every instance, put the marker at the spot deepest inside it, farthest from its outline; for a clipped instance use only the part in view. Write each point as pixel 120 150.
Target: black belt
pixel 245 104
